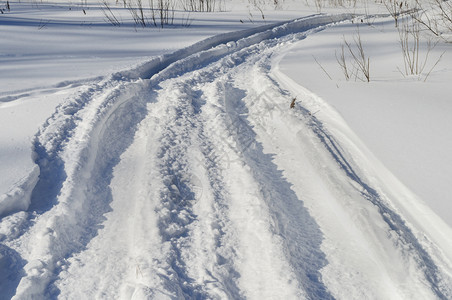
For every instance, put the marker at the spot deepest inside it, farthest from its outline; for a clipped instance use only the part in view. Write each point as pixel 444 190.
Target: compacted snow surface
pixel 181 171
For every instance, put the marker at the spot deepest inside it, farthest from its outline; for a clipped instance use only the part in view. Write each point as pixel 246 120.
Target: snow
pixel 166 163
pixel 73 50
pixel 403 121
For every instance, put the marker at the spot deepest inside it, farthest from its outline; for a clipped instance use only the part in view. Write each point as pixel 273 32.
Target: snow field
pixel 201 182
pixel 401 119
pixel 391 192
pixel 73 149
pixel 72 49
pixel 157 67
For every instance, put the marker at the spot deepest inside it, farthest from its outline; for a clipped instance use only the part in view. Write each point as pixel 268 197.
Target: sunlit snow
pixel 149 162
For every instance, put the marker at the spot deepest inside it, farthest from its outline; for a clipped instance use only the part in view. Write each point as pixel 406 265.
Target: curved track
pixel 200 182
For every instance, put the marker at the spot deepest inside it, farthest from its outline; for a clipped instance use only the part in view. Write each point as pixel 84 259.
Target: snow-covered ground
pixel 405 122
pixel 166 163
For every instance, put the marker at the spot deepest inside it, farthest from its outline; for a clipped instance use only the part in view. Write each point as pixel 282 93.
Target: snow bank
pixel 19 197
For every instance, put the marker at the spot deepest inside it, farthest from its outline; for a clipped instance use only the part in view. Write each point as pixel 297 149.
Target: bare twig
pixel 108 13
pixel 343 63
pixel 362 62
pixel 437 61
pixel 43 23
pixel 322 68
pixel 292 104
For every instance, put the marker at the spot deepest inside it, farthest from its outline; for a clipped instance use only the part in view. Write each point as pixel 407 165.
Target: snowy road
pixel 198 181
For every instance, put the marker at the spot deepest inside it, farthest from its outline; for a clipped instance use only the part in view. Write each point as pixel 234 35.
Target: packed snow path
pixel 200 182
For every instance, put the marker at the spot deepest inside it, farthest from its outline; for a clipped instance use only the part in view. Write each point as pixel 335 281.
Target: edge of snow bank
pixel 19 196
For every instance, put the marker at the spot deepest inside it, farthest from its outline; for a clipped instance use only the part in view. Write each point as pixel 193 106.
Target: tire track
pixel 199 92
